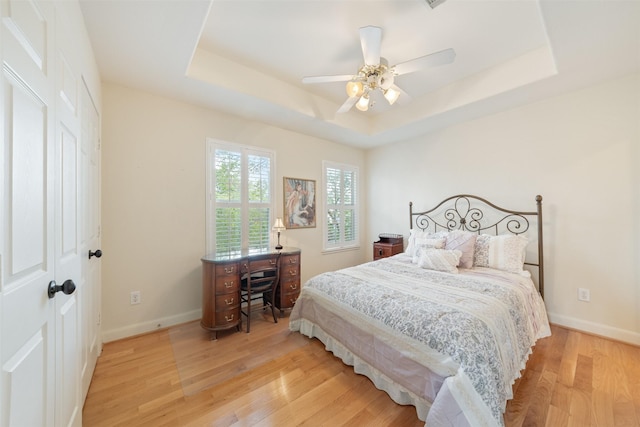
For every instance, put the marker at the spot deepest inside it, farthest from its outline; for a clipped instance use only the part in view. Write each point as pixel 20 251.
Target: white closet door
pixel 28 255
pixel 67 205
pixel 90 196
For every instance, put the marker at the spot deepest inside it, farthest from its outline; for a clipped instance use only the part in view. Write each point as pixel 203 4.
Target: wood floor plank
pixel 179 377
pixel 580 411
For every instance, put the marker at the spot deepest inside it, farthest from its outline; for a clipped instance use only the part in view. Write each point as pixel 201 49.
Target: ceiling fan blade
pixel 350 102
pixel 370 39
pixel 327 79
pixel 432 60
pixel 404 97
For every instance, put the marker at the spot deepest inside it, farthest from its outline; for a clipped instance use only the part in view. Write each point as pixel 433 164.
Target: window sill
pixel 340 249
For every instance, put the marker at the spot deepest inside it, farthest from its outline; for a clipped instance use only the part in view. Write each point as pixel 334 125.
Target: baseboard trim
pixel 596 328
pixel 149 326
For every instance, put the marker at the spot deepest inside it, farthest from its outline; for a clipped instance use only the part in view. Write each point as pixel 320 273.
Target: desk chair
pixel 260 283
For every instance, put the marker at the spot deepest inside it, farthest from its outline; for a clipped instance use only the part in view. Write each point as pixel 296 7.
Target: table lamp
pixel 278 226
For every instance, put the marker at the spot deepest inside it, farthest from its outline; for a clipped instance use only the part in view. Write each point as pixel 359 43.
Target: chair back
pixel 262 277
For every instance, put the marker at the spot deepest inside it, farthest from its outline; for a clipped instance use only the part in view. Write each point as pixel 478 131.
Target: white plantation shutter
pixel 259 193
pixel 341 204
pixel 240 206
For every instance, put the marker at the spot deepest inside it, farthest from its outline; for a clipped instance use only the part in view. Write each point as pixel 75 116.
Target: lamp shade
pixel 278 225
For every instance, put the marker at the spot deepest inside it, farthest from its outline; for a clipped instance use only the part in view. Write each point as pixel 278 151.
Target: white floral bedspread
pixel 485 320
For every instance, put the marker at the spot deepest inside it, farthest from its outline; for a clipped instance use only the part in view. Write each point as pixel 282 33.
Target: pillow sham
pixel 439 259
pixel 503 252
pixel 427 243
pixel 465 242
pixel 417 237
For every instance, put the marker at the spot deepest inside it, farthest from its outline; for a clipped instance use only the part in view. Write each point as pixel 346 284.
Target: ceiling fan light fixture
pixel 391 95
pixel 363 103
pixel 354 88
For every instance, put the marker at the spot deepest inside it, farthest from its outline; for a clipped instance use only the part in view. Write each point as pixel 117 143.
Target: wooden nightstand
pixel 387 246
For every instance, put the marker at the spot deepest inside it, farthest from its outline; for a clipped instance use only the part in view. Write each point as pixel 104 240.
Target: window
pixel 240 197
pixel 341 204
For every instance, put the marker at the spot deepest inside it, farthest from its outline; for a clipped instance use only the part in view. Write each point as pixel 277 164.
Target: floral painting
pixel 299 203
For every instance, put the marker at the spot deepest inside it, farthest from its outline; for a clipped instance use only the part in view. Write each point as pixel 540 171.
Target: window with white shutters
pixel 341 204
pixel 240 197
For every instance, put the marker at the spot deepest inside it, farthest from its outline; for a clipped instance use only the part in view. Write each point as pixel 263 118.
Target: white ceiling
pixel 248 57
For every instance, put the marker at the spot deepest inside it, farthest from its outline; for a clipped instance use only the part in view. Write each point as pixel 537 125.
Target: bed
pixel 448 325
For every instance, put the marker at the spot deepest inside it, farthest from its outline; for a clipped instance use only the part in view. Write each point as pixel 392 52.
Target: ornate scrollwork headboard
pixel 475 214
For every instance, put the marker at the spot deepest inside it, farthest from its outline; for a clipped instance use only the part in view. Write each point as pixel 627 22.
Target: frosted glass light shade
pixel 391 95
pixel 363 103
pixel 354 89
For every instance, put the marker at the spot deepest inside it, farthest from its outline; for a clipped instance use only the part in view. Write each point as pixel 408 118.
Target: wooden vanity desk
pixel 221 275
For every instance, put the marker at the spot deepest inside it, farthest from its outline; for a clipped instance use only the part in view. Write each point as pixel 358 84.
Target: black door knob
pixel 68 287
pixel 96 254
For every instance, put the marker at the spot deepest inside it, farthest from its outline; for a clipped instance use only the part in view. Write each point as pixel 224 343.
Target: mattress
pixel 450 344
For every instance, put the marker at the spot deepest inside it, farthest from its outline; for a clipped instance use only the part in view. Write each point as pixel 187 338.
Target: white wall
pixel 580 151
pixel 153 203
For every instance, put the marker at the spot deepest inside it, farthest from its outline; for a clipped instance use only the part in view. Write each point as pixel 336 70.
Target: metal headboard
pixel 463 212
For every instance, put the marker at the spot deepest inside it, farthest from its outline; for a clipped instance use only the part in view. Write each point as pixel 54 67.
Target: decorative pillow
pixel 465 242
pixel 417 237
pixel 440 259
pixel 427 243
pixel 504 252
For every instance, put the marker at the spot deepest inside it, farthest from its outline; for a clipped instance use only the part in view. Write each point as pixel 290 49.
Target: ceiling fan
pixel 376 72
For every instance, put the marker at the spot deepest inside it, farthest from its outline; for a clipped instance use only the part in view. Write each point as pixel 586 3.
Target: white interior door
pixel 90 200
pixel 28 263
pixel 67 204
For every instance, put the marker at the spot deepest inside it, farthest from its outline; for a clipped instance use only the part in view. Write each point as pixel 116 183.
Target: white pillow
pixel 420 237
pixel 503 252
pixel 426 243
pixel 440 259
pixel 465 242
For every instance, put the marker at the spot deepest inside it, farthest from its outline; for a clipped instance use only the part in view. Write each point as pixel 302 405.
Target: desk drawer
pixel 291 285
pixel 227 317
pixel 289 272
pixel 227 269
pixel 227 285
pixel 227 302
pixel 290 260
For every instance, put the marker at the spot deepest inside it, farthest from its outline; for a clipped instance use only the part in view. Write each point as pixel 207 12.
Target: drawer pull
pixel 293 300
pixel 228 270
pixel 228 301
pixel 272 261
pixel 293 261
pixel 293 272
pixel 228 319
pixel 293 286
pixel 228 284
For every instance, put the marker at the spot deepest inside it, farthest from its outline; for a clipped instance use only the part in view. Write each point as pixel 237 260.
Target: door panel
pixel 21 371
pixel 27 117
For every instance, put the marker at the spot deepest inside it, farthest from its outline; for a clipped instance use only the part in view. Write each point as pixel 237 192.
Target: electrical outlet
pixel 135 297
pixel 584 294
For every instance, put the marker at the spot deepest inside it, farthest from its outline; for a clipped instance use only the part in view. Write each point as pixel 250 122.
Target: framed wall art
pixel 299 203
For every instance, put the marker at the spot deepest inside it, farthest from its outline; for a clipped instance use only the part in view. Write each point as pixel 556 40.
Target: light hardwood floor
pixel 271 377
